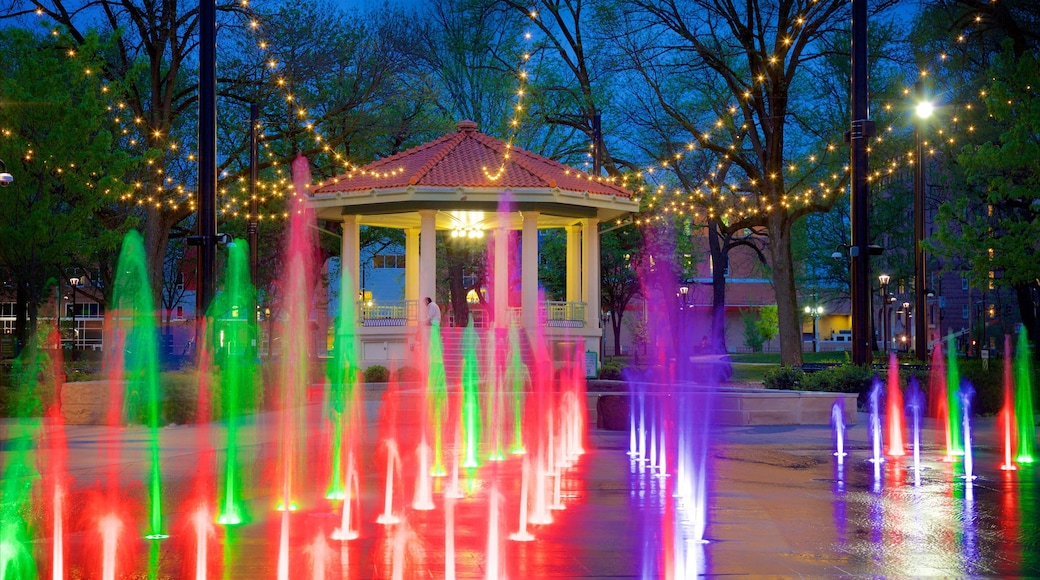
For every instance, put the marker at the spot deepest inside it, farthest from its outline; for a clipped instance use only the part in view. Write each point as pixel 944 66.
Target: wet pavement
pixel 778 506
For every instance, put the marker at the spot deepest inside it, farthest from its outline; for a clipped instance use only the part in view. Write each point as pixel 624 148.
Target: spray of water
pixel 838 423
pixel 1025 419
pixel 915 403
pixel 894 396
pixel 1008 432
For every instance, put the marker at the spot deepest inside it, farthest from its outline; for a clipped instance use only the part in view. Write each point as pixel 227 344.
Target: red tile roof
pixel 468 158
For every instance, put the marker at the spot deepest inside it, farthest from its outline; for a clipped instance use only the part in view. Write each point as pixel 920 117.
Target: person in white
pixel 433 313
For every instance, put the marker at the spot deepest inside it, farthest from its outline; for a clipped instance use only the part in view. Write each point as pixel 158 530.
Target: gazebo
pixel 474 185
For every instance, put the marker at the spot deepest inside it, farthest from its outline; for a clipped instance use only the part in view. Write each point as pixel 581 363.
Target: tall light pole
pixel 923 111
pixel 74 282
pixel 861 130
pixel 884 279
pixel 815 311
pixel 906 325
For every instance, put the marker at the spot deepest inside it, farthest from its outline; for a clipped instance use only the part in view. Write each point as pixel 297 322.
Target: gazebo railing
pixel 397 313
pixel 400 313
pixel 562 314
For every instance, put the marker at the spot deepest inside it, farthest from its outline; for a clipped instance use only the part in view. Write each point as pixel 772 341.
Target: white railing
pixel 563 314
pixel 400 313
pixel 397 313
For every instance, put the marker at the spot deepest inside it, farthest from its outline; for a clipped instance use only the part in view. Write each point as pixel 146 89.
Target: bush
pixel 407 375
pixel 783 378
pixel 377 374
pixel 180 396
pixel 611 371
pixel 843 379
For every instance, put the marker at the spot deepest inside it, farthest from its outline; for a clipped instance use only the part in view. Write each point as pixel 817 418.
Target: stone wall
pixel 739 407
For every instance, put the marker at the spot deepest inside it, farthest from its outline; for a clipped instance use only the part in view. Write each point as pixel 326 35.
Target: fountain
pixel 1025 419
pixel 895 409
pixel 953 403
pixel 875 430
pixel 838 424
pixel 915 402
pixel 1008 432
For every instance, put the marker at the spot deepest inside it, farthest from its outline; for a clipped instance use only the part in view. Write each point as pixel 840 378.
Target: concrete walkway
pixel 777 506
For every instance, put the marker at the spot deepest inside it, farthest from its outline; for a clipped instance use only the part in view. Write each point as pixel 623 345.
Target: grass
pixel 749 373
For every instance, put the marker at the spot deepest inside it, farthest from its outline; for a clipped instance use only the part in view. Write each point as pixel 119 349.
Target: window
pixel 964 312
pixel 180 312
pixel 964 283
pixel 388 261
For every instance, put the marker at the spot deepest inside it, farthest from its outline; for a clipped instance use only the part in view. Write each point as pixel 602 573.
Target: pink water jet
pixel 283 547
pixel 345 531
pixel 494 565
pixel 392 461
pixel 111 526
pixel 1008 428
pixel 937 395
pixel 202 522
pixel 321 557
pixel 449 537
pixel 522 535
pixel 894 399
pixel 424 489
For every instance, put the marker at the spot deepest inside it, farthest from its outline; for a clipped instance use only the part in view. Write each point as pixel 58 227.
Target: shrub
pixel 611 371
pixel 843 379
pixel 180 396
pixel 377 374
pixel 783 378
pixel 408 375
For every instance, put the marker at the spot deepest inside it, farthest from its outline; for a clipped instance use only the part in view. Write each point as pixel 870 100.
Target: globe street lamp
pixel 815 312
pixel 924 110
pixel 74 282
pixel 884 279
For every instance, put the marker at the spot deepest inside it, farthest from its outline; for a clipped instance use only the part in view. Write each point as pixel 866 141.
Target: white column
pixel 350 261
pixel 411 263
pixel 500 298
pixel 529 271
pixel 590 273
pixel 574 263
pixel 427 258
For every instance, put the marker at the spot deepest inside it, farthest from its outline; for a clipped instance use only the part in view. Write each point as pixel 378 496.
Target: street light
pixel 884 279
pixel 924 110
pixel 74 281
pixel 815 312
pixel 906 325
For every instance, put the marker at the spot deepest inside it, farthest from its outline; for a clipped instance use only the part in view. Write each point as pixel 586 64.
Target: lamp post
pixel 884 279
pixel 815 312
pixel 906 325
pixel 924 110
pixel 74 281
pixel 859 134
pixel 684 292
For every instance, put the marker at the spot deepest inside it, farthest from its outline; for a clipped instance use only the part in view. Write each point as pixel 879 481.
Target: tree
pixel 773 112
pixel 1001 242
pixel 66 164
pixel 620 251
pixel 768 323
